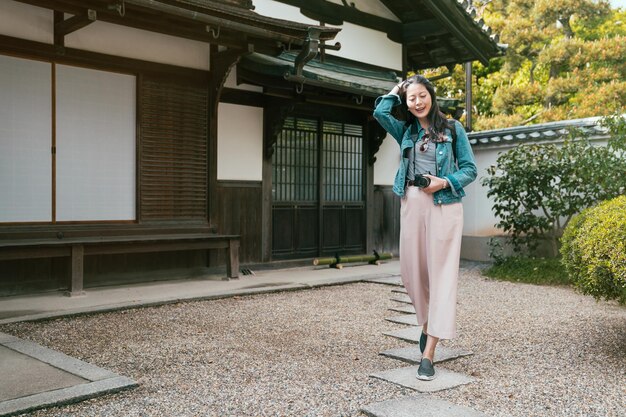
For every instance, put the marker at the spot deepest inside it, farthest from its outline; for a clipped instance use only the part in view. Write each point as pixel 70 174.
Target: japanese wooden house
pixel 233 118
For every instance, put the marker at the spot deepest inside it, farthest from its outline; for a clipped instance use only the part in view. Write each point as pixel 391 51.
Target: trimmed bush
pixel 594 250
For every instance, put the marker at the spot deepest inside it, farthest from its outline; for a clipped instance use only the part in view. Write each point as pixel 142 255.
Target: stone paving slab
pixel 406 377
pixel 419 406
pixel 401 290
pixel 393 280
pixel 402 299
pixel 413 355
pixel 59 379
pixel 410 319
pixel 410 334
pixel 69 395
pixel 404 309
pixel 30 376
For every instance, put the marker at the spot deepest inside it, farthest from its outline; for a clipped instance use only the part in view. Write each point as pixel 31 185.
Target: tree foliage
pixel 565 59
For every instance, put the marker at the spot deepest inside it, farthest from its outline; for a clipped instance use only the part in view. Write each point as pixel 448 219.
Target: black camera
pixel 421 181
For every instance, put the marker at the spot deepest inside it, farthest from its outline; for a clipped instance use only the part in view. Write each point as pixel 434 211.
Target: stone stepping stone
pixel 394 280
pixel 404 309
pixel 402 299
pixel 410 334
pixel 406 377
pixel 413 355
pixel 401 290
pixel 410 319
pixel 419 406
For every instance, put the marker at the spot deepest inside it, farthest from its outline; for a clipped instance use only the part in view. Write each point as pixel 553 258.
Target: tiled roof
pixel 471 12
pixel 543 131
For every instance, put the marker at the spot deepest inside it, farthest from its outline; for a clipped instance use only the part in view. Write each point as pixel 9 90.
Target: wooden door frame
pixel 275 115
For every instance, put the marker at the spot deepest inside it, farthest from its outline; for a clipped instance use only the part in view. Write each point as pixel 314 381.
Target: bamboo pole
pixel 337 260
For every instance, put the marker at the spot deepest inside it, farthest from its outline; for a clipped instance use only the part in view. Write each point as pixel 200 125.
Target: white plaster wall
pixel 26 22
pixel 367 45
pixel 36 24
pixel 357 43
pixel 119 40
pixel 275 9
pixel 387 161
pixel 370 6
pixel 239 143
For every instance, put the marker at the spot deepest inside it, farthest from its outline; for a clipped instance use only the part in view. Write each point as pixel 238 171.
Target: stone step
pixel 409 334
pixel 402 299
pixel 419 406
pixel 406 377
pixel 404 309
pixel 413 355
pixel 393 280
pixel 400 290
pixel 410 319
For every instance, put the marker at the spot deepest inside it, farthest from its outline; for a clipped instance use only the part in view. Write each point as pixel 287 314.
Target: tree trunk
pixel 567 29
pixel 532 72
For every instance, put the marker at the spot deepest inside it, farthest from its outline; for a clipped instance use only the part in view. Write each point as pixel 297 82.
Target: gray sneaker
pixel 426 371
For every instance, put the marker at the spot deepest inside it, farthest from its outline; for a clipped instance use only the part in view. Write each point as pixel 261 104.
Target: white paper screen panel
pixel 25 140
pixel 96 161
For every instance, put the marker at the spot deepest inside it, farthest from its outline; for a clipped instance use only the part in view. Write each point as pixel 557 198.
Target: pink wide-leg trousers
pixel 430 247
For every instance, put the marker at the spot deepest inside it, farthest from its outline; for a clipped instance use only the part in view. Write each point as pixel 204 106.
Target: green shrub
pixel 594 250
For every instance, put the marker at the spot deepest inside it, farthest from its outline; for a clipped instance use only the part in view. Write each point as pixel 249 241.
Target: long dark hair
pixel 438 121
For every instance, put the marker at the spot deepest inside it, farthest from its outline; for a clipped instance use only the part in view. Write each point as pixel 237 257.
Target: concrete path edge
pixel 63 396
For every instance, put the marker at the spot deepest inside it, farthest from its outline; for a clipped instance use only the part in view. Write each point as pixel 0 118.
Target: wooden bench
pixel 76 247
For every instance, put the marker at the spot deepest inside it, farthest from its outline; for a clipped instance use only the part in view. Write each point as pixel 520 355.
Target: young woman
pixel 437 163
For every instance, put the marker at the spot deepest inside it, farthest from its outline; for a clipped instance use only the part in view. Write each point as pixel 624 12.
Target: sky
pixel 618 3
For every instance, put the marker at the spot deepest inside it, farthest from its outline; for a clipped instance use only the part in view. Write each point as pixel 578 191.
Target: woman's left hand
pixel 436 184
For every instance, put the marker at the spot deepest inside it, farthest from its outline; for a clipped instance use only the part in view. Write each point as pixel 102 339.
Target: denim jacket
pixel 458 174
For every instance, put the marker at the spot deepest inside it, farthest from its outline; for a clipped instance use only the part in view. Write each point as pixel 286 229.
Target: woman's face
pixel 418 101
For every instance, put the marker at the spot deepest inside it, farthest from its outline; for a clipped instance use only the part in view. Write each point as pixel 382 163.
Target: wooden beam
pixel 182 25
pixel 336 14
pixel 74 23
pixel 207 19
pixel 414 32
pixel 444 11
pixel 28 48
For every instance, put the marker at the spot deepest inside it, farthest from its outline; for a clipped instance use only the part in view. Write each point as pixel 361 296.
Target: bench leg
pixel 232 262
pixel 76 284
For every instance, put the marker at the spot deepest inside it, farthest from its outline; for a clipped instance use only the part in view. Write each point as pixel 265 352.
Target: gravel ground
pixel 539 351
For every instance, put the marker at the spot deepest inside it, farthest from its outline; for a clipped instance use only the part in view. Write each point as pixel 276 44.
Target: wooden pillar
pixel 274 115
pixel 76 283
pixel 221 64
pixel 232 262
pixel 468 96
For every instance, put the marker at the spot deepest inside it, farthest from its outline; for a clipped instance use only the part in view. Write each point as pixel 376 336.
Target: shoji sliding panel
pixel 96 146
pixel 25 140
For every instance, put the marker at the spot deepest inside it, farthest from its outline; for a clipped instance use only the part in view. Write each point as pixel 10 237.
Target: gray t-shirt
pixel 422 162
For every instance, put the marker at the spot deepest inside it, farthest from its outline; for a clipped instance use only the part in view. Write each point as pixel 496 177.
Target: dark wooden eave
pixel 434 32
pixel 210 21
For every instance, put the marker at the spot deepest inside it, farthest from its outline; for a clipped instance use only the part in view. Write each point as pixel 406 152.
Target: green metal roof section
pixel 331 73
pixel 335 74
